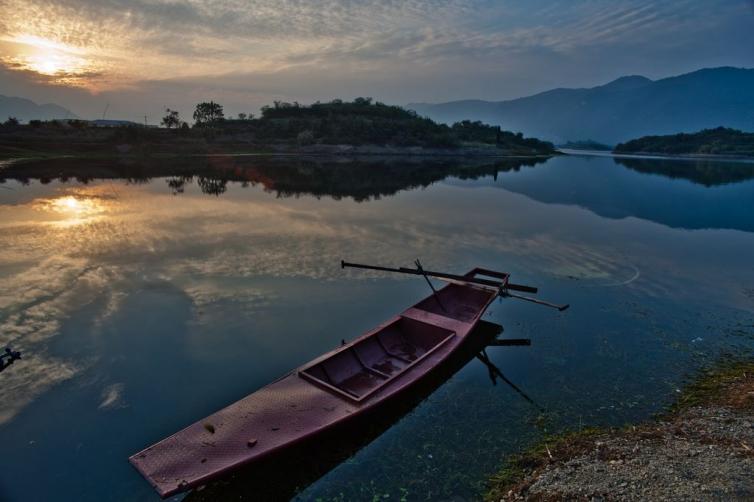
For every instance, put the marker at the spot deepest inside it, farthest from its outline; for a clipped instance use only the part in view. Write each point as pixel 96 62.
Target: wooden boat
pixel 329 391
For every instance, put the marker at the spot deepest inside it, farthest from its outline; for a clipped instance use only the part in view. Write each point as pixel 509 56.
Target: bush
pixel 305 137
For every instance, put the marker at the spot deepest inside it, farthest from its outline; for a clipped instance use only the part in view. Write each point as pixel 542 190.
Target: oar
pixel 434 291
pixel 440 275
pixel 503 287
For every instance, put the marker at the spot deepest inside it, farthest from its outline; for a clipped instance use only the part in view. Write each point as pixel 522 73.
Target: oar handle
pixel 344 264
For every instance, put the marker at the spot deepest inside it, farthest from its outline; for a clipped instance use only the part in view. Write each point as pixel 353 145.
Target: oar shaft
pixel 439 275
pixel 505 291
pixel 420 269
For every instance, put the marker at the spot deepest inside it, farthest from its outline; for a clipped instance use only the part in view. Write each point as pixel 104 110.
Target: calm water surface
pixel 151 297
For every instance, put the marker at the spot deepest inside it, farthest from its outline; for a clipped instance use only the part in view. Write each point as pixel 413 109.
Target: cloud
pixel 23 383
pixel 250 52
pixel 112 397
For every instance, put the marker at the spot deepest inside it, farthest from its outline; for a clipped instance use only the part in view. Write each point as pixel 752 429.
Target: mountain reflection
pixel 704 172
pixel 360 179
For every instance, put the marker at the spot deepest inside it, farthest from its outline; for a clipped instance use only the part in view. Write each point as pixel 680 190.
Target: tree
pixel 241 116
pixel 171 119
pixel 12 121
pixel 208 113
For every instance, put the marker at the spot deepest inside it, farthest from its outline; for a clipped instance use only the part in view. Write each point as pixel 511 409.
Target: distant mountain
pixel 25 110
pixel 621 110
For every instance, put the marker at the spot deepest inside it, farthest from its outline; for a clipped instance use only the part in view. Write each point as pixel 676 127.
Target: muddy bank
pixel 702 449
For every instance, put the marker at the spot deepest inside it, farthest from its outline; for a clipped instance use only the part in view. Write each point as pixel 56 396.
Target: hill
pixel 25 110
pixel 719 141
pixel 358 127
pixel 363 122
pixel 623 109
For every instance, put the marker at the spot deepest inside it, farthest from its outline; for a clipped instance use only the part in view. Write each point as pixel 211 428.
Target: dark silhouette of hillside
pixel 334 127
pixel 718 141
pixel 25 110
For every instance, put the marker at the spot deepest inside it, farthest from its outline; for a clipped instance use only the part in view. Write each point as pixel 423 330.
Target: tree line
pixel 358 122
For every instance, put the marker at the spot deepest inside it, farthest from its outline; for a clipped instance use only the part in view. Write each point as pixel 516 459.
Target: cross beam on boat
pixel 501 284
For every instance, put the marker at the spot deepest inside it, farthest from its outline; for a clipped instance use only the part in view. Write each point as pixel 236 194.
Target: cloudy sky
pixel 140 56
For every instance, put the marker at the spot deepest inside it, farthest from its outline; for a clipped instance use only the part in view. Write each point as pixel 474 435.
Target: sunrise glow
pixel 59 63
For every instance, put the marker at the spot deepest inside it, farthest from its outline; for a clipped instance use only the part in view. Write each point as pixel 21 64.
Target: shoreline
pixel 702 447
pixel 333 153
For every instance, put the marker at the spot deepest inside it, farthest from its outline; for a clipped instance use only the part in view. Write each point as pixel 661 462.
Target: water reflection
pixel 587 182
pixel 155 309
pixel 359 179
pixel 676 193
pixel 73 209
pixel 704 172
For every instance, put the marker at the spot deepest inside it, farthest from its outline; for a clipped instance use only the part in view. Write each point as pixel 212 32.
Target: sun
pixel 70 203
pixel 46 64
pixel 63 63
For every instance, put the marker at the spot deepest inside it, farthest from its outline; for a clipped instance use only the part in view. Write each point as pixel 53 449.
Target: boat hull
pixel 350 381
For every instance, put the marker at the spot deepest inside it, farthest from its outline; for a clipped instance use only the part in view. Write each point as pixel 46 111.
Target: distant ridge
pixel 621 110
pixel 25 110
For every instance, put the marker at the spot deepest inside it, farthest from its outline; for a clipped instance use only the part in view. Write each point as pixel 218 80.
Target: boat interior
pixel 457 302
pixel 358 370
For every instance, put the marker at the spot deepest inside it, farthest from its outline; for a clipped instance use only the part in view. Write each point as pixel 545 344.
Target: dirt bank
pixel 702 449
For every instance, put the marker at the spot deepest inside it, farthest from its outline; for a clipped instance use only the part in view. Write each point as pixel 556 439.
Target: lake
pixel 146 294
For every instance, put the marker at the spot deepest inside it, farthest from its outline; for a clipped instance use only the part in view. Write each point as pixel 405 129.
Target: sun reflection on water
pixel 74 209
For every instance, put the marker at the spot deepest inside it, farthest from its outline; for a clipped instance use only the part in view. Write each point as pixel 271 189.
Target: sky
pixel 137 57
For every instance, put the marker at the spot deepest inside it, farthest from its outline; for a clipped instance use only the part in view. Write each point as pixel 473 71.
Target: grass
pixel 726 384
